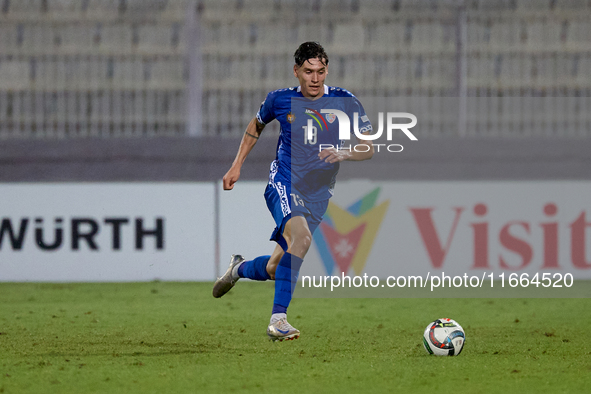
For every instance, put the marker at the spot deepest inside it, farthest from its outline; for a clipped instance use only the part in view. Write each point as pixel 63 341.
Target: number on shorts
pixel 297 200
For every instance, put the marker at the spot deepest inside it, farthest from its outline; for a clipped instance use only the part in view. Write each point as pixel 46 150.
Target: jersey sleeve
pixel 267 111
pixel 362 118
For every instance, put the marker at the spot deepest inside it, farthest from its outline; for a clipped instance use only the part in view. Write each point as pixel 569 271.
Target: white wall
pixel 516 234
pixel 186 211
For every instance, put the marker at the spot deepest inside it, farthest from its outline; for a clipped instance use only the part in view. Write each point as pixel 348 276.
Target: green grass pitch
pixel 164 337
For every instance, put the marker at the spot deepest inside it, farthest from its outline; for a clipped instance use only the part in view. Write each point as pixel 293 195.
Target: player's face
pixel 311 75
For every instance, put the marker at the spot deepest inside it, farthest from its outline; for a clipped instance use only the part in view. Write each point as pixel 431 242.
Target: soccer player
pixel 301 178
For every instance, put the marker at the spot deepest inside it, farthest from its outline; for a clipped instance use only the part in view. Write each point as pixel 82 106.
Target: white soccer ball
pixel 444 337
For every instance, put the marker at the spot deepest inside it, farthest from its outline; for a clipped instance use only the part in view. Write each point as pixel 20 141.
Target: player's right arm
pixel 249 139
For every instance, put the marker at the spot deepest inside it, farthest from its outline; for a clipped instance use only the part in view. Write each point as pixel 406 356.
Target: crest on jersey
pixel 290 117
pixel 331 117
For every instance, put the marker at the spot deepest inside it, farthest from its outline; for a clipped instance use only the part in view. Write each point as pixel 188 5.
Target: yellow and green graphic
pixel 316 116
pixel 345 236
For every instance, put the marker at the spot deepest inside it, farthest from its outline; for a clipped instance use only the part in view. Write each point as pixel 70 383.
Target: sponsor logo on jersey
pixel 317 117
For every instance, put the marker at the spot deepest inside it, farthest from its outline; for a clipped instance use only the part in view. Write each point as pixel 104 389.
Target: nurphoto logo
pixel 345 129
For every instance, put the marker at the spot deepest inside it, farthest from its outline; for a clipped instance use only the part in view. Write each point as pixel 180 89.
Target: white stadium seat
pixel 388 37
pixel 348 38
pixel 478 34
pixel 481 71
pixel 128 74
pixel 178 9
pixel 275 38
pixel 546 71
pixel 58 9
pixel 128 60
pixel 543 35
pixel 37 38
pixel 313 32
pixel 102 9
pixel 532 5
pixel 572 5
pixel 24 8
pixel 14 75
pixel 218 9
pixel 8 38
pixel 505 35
pixel 155 37
pixel 430 37
pixel 375 10
pixel 579 35
pixel 167 74
pixel 116 38
pixel 77 38
pixel 583 72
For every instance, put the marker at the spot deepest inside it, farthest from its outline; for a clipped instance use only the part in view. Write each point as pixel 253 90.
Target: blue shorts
pixel 284 202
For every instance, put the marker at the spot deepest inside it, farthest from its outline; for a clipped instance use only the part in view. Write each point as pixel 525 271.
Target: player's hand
pixel 332 155
pixel 231 178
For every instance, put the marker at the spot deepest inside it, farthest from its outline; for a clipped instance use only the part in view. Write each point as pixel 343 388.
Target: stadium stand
pixel 119 68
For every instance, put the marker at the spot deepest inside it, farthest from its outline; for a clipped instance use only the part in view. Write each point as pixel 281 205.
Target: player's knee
pixel 307 241
pixel 301 244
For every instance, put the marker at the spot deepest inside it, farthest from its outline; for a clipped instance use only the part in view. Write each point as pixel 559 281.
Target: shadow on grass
pixel 135 350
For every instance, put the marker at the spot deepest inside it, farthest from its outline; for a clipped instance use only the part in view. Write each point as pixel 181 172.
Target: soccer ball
pixel 444 337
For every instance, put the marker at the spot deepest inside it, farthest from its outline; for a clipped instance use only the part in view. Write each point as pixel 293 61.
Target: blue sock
pixel 255 269
pixel 286 277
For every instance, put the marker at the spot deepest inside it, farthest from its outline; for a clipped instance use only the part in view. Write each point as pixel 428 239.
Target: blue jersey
pixel 297 161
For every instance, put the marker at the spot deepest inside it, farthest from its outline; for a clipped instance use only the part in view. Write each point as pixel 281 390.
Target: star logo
pixel 343 248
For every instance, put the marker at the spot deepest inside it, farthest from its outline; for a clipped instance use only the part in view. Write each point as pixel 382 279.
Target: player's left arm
pixel 362 151
pixel 359 154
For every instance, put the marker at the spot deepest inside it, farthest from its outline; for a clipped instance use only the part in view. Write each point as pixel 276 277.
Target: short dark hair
pixel 310 50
